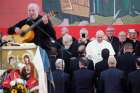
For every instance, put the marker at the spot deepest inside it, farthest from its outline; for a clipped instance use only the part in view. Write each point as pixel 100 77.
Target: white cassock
pixel 94 49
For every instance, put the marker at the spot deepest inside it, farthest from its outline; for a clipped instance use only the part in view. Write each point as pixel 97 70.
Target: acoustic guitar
pixel 27 33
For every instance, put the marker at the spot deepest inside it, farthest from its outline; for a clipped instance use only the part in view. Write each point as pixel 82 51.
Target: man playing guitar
pixel 38 30
pixel 36 36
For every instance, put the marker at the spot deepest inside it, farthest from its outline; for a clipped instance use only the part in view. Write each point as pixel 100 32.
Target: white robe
pixel 94 49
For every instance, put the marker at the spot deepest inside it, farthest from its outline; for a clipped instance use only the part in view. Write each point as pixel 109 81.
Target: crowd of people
pixel 105 64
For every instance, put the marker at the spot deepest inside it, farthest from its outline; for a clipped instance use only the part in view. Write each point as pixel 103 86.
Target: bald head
pixel 64 31
pixel 112 61
pixel 122 36
pixel 122 33
pixel 33 10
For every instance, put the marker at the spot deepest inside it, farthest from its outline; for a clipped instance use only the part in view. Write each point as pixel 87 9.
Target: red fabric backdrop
pixel 11 11
pixel 74 30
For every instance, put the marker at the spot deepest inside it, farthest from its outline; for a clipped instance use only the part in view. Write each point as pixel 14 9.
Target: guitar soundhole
pixel 22 33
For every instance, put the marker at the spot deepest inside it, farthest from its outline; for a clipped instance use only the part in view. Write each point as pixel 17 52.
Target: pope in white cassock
pixel 95 47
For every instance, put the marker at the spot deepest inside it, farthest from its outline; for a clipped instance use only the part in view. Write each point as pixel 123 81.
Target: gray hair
pixel 67 40
pixel 60 64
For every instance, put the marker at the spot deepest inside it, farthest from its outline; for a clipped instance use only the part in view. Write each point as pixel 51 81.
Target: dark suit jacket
pixel 134 82
pixel 74 64
pixel 126 62
pixel 114 42
pixel 100 66
pixel 84 81
pixel 111 81
pixel 61 81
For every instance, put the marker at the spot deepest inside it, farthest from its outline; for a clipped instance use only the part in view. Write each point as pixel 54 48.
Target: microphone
pixel 4 42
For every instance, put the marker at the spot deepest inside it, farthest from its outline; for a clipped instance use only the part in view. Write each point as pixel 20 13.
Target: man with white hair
pixel 95 47
pixel 43 33
pixel 61 79
pixel 43 29
pixel 64 31
pixel 60 64
pixel 69 45
pixel 67 41
pixel 70 50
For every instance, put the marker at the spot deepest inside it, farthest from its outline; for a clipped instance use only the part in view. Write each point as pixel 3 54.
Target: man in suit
pixel 111 80
pixel 134 79
pixel 133 35
pixel 126 61
pixel 61 79
pixel 111 38
pixel 74 62
pixel 102 65
pixel 122 40
pixel 84 78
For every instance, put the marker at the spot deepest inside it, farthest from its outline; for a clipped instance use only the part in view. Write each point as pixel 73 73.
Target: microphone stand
pixel 3 43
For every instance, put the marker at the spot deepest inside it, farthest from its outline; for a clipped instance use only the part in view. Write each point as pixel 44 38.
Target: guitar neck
pixel 36 23
pixel 33 25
